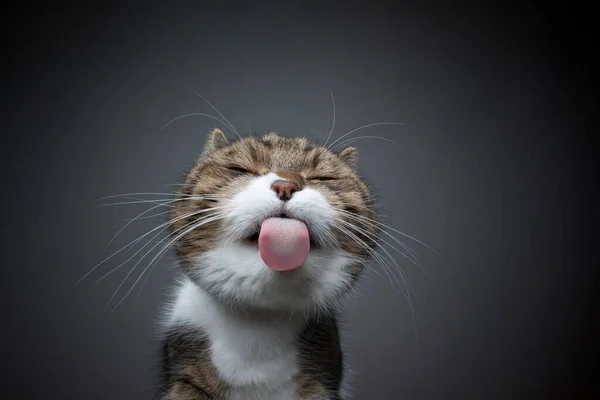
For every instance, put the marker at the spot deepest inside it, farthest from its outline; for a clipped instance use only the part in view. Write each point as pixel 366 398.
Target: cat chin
pixel 236 274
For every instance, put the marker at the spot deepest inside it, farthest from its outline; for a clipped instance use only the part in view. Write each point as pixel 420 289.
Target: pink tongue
pixel 283 243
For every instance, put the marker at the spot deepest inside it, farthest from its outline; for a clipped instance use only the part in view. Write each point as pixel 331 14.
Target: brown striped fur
pixel 296 158
pixel 188 372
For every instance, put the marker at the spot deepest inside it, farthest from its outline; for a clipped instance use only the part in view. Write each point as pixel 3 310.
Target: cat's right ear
pixel 349 156
pixel 216 139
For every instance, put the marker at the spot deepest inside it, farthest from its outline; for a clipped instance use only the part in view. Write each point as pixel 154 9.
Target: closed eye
pixel 321 179
pixel 240 170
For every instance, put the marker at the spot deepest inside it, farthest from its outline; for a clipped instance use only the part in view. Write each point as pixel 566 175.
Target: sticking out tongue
pixel 283 243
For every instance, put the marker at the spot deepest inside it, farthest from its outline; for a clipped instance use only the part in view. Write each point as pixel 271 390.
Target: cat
pixel 271 234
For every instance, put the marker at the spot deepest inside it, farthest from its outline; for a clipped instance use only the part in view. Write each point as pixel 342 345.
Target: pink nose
pixel 284 189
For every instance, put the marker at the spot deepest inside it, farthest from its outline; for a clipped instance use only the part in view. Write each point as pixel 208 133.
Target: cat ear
pixel 216 139
pixel 349 156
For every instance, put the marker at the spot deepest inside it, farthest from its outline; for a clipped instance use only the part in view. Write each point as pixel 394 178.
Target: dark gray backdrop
pixel 495 171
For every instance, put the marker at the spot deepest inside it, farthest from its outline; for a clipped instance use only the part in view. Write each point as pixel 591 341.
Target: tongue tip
pixel 283 243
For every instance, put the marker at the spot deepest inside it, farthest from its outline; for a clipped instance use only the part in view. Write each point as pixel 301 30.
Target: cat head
pixel 274 222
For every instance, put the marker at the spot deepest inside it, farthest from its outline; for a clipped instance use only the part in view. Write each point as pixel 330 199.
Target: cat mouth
pixel 252 240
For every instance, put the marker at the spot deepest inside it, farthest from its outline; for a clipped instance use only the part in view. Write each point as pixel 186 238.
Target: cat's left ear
pixel 216 139
pixel 349 156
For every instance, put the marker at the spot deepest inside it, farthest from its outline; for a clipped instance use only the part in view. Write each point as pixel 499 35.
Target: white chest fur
pixel 256 357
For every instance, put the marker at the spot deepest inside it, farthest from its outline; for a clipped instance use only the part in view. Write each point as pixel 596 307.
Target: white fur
pixel 258 357
pixel 249 207
pixel 238 270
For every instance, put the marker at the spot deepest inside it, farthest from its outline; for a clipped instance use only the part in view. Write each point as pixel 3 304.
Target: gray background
pixel 495 171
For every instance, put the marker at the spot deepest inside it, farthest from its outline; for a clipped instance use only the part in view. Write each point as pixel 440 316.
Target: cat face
pixel 318 212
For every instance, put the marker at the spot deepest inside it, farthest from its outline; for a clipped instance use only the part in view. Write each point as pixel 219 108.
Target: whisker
pixel 415 256
pixel 214 108
pixel 136 240
pixel 139 216
pixel 229 238
pixel 166 226
pixel 246 107
pixel 152 194
pixel 363 232
pixel 383 263
pixel 149 216
pixel 333 124
pixel 363 127
pixel 404 278
pixel 148 252
pixel 392 229
pixel 162 251
pixel 328 237
pixel 194 115
pixel 354 139
pixel 150 273
pixel 413 260
pixel 133 255
pixel 157 261
pixel 353 205
pixel 134 200
pixel 162 202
